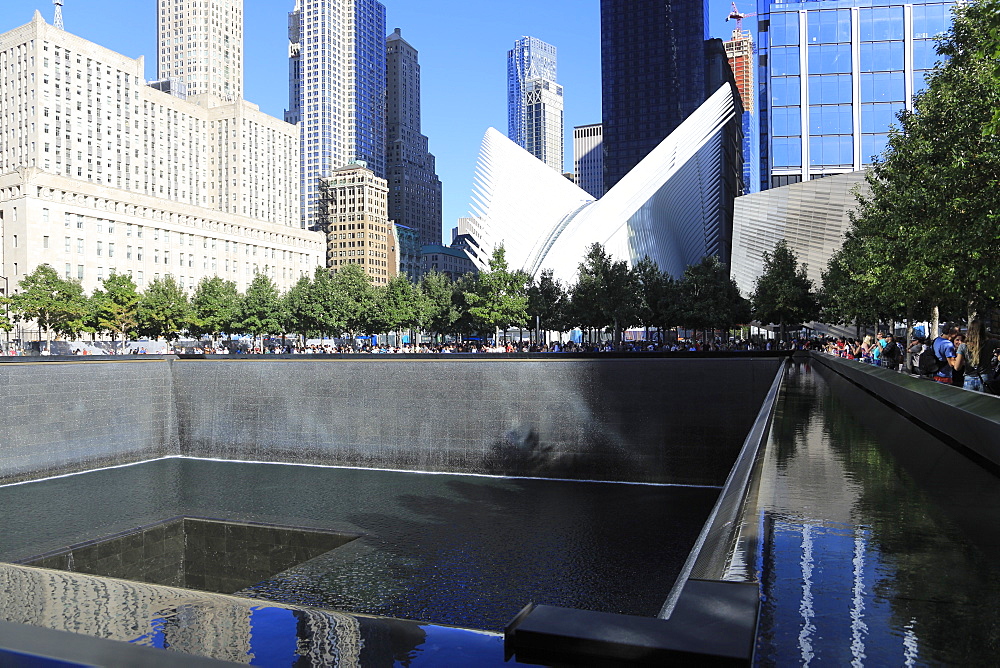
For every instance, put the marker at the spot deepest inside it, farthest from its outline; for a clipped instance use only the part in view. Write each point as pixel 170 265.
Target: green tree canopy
pixel 783 294
pixel 498 296
pixel 116 307
pixel 440 311
pixel 214 307
pixel 607 293
pixel 352 288
pixel 56 304
pixel 260 311
pixel 547 301
pixel 164 309
pixel 925 236
pixel 710 297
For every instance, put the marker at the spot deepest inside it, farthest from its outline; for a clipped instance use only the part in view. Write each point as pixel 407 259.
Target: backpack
pixel 891 355
pixel 927 363
pixel 991 376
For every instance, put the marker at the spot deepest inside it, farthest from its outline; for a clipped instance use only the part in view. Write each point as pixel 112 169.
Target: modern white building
pixel 84 134
pixel 672 206
pixel 535 101
pixel 811 216
pixel 336 90
pixel 201 45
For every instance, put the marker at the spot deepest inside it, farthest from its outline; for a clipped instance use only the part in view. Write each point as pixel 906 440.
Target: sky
pixel 463 48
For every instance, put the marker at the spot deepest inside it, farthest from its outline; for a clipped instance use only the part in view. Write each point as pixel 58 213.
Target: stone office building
pixel 100 173
pixel 354 213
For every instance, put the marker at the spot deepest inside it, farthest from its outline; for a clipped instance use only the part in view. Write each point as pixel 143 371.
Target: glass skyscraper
pixel 836 73
pixel 535 101
pixel 653 71
pixel 336 89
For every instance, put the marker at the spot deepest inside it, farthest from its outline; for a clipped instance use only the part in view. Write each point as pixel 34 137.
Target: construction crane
pixel 735 14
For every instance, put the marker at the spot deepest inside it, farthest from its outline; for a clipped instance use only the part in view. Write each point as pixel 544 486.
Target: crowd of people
pixel 969 359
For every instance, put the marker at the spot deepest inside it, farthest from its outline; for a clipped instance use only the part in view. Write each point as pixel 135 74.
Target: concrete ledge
pixel 23 646
pixel 968 421
pixel 713 624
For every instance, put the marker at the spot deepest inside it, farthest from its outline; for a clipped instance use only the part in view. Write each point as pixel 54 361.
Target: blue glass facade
pixel 530 59
pixel 340 109
pixel 834 74
pixel 653 70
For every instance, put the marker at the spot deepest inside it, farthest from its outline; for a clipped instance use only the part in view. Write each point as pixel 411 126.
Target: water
pixel 880 541
pixel 448 549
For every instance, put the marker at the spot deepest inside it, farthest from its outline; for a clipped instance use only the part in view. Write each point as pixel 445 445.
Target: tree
pixel 925 237
pixel 547 302
pixel 353 289
pixel 116 307
pixel 398 305
pixel 710 298
pixel 164 309
pixel 498 297
pixel 783 294
pixel 606 293
pixel 440 313
pixel 260 310
pixel 55 304
pixel 214 307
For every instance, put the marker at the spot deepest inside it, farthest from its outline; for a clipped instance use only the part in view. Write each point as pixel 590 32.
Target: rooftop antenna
pixel 57 21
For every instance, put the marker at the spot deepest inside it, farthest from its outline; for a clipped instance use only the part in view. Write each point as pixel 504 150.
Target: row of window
pixel 834 119
pixel 874 24
pixel 826 150
pixel 839 88
pixel 836 58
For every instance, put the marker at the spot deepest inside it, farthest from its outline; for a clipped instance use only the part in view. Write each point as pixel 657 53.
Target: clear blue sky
pixel 463 59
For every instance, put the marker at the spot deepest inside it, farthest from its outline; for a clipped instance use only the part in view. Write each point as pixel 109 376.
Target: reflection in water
pixel 880 539
pixel 230 628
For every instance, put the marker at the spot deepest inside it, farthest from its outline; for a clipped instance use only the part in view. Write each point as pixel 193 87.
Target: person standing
pixel 892 354
pixel 944 351
pixel 980 354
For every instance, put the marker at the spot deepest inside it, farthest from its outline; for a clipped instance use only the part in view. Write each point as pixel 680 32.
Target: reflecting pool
pixel 880 542
pixel 448 549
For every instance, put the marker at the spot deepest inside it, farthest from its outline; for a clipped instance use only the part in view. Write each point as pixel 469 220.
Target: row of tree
pixel 924 241
pixel 608 295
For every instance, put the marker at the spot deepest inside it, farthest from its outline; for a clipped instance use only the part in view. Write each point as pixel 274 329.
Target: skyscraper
pixel 535 101
pixel 653 75
pixel 201 45
pixel 588 159
pixel 414 188
pixel 836 75
pixel 739 50
pixel 336 89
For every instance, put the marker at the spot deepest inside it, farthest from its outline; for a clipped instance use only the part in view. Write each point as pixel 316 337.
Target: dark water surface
pixel 882 543
pixel 449 549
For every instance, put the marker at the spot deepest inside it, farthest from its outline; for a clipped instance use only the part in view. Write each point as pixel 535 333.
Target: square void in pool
pixel 196 553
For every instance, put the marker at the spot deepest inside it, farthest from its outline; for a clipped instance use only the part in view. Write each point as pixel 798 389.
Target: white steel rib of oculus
pixel 668 207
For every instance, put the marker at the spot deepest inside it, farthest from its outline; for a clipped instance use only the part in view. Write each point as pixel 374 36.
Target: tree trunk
pixel 934 324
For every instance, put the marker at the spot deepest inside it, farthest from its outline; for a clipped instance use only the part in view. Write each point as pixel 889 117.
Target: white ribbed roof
pixel 667 207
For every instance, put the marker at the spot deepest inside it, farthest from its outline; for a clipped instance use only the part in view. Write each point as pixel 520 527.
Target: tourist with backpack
pixel 924 363
pixel 944 351
pixel 892 354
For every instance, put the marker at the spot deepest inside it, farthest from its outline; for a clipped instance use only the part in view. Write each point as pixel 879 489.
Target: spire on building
pixel 57 21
